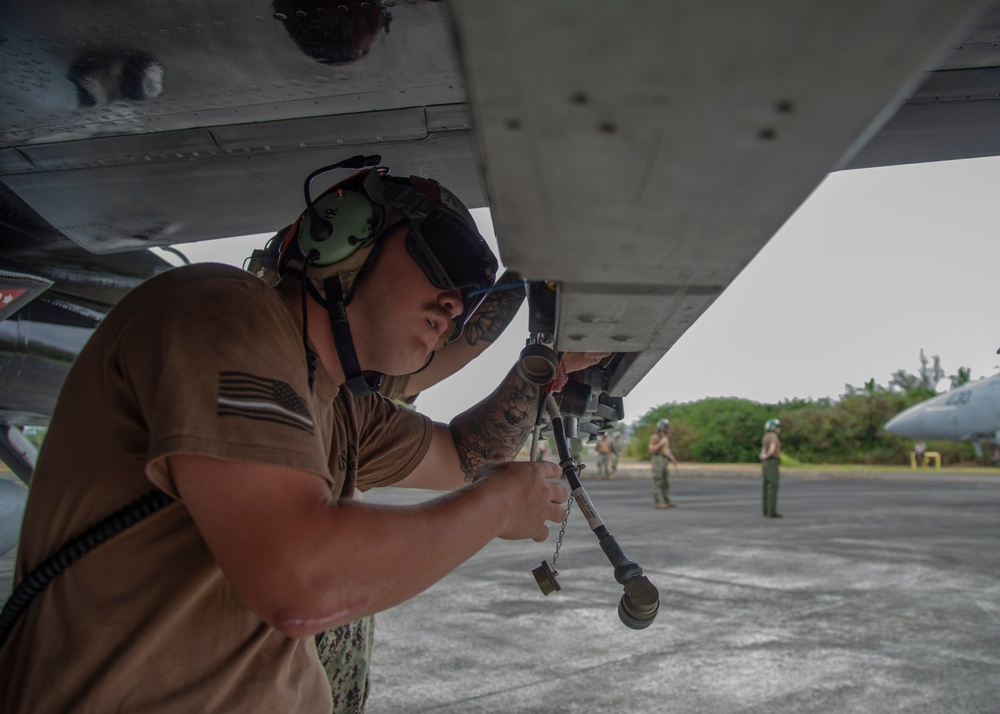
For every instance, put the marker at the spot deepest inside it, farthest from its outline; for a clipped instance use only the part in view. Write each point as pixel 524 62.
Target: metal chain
pixel 562 532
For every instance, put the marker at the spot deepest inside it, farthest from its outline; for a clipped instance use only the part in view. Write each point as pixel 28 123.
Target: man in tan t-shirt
pixel 251 407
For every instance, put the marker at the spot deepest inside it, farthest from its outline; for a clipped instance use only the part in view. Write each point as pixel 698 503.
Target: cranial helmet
pixel 353 215
pixel 772 424
pixel 335 241
pixel 662 424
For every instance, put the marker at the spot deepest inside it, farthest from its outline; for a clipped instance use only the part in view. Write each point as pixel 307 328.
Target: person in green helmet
pixel 659 448
pixel 770 457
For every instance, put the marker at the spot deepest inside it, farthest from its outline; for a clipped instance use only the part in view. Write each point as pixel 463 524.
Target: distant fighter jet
pixel 969 413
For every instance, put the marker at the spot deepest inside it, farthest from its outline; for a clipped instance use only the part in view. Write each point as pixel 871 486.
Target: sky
pixel 876 265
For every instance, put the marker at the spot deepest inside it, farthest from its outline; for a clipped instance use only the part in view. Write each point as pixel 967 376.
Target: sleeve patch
pixel 252 397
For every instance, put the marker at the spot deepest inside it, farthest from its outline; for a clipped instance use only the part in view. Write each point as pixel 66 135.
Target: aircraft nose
pixel 908 424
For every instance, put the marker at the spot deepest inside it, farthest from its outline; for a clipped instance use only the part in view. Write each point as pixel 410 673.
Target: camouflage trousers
pixel 661 479
pixel 345 653
pixel 771 478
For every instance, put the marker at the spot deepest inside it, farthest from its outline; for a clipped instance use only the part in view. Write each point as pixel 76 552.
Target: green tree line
pixel 847 430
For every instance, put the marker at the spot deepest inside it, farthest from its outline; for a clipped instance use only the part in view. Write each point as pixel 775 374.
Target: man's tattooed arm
pixel 497 427
pixel 496 311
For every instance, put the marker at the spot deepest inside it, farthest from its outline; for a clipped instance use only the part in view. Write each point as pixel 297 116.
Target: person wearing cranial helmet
pixel 660 459
pixel 251 408
pixel 770 457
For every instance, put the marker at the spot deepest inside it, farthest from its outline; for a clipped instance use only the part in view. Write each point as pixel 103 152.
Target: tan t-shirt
pixel 203 360
pixel 770 438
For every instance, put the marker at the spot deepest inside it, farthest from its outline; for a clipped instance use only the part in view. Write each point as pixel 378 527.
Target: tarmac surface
pixel 872 594
pixel 875 593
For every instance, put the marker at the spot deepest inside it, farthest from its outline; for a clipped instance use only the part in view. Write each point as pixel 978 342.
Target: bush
pixel 823 431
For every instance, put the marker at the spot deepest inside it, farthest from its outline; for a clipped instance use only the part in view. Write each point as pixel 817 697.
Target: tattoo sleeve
pixel 497 427
pixel 497 310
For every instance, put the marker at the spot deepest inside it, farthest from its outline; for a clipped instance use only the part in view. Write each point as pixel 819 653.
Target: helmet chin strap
pixel 354 378
pixel 359 385
pixel 430 358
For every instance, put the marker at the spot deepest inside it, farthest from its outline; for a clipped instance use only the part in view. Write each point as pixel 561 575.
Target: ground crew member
pixel 659 447
pixel 603 457
pixel 770 456
pixel 255 409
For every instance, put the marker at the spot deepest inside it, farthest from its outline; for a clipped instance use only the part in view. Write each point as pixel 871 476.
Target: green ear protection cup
pixel 346 220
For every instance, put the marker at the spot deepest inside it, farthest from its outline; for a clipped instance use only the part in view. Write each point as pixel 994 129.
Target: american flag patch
pixel 263 399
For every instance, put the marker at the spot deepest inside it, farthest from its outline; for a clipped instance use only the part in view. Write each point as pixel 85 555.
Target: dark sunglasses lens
pixel 461 256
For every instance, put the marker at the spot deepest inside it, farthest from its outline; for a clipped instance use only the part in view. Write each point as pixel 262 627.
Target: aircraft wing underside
pixel 640 153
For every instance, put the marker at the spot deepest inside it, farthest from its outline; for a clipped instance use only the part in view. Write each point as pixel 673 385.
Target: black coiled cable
pixel 41 576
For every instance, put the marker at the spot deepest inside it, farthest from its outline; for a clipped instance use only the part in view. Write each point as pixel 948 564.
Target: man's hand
pixel 574 362
pixel 531 496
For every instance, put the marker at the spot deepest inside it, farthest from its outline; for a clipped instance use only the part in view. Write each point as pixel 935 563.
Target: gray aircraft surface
pixel 968 413
pixel 671 137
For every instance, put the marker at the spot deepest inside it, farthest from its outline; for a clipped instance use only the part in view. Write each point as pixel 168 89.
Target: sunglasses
pixel 450 251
